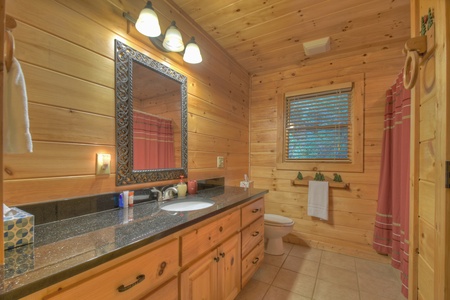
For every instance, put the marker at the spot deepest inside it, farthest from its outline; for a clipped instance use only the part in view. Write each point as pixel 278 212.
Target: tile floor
pixel 304 274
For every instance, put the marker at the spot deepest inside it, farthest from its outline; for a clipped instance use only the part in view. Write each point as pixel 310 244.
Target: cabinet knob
pixel 255 261
pixel 256 233
pixel 222 254
pixel 220 228
pixel 217 258
pixel 255 210
pixel 123 288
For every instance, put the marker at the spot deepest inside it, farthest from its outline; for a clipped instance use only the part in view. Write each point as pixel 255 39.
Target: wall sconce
pixel 171 41
pixel 103 164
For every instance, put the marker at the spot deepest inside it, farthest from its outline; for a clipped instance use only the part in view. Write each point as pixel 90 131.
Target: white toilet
pixel 275 227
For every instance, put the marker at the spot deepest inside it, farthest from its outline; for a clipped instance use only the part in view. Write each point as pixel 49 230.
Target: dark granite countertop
pixel 68 247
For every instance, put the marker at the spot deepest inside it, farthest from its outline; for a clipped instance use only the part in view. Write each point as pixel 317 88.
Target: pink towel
pixel 318 199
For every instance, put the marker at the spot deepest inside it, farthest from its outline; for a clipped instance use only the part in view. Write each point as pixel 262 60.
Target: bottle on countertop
pixel 123 199
pixel 131 198
pixel 192 187
pixel 181 188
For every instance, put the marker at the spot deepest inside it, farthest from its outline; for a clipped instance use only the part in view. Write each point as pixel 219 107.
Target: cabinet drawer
pixel 252 211
pixel 252 235
pixel 251 262
pixel 168 291
pixel 138 277
pixel 198 241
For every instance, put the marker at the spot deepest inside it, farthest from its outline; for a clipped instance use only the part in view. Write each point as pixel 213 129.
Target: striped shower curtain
pixel 392 218
pixel 153 142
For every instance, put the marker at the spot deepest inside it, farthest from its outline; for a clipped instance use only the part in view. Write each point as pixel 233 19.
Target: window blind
pixel 318 126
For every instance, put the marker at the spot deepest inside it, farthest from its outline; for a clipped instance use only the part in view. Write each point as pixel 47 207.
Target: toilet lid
pixel 277 220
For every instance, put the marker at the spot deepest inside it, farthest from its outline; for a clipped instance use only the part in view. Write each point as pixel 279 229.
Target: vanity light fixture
pixel 192 53
pixel 171 41
pixel 148 23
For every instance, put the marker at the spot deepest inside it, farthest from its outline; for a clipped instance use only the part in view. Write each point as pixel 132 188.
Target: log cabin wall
pixel 66 50
pixel 352 212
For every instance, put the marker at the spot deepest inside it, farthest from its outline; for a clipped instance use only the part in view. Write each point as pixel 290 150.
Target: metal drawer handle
pixel 256 233
pixel 162 267
pixel 255 210
pixel 255 261
pixel 123 288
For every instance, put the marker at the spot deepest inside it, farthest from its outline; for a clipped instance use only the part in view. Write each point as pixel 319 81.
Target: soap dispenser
pixel 181 187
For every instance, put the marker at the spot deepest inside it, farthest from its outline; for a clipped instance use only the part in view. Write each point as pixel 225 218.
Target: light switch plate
pixel 220 161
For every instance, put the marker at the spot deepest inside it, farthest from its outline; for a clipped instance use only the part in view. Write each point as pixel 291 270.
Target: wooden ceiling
pixel 268 35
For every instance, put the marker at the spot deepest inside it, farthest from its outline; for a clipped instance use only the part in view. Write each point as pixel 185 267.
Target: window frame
pixel 356 163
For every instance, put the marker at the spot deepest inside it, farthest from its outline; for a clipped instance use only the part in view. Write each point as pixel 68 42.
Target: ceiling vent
pixel 317 46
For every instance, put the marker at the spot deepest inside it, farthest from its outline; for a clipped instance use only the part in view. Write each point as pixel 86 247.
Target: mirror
pixel 151 119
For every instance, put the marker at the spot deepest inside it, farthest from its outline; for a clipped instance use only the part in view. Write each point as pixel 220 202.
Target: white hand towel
pixel 318 199
pixel 16 131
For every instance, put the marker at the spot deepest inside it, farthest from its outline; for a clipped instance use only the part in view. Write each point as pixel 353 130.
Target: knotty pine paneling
pixel 352 212
pixel 66 49
pixel 427 207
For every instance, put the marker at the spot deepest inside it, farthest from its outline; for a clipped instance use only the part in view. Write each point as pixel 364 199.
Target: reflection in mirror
pixel 156 120
pixel 151 119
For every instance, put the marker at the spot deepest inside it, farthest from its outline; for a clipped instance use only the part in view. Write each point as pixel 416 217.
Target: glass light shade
pixel 192 53
pixel 148 23
pixel 173 40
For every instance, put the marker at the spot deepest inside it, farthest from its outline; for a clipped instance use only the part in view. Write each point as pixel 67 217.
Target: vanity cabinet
pixel 132 279
pixel 202 239
pixel 252 216
pixel 168 291
pixel 211 259
pixel 216 275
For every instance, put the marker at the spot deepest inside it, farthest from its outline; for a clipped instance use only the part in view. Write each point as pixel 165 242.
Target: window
pixel 318 125
pixel 322 128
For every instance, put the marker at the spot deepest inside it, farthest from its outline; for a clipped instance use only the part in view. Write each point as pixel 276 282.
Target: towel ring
pixel 411 69
pixel 9 50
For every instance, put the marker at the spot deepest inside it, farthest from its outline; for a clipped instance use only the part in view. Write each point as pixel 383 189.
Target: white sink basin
pixel 186 205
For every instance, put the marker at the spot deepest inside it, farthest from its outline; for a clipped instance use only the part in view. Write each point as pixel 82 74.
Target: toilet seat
pixel 276 220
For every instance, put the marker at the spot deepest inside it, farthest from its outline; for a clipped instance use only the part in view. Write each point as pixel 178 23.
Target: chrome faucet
pixel 160 195
pixel 168 193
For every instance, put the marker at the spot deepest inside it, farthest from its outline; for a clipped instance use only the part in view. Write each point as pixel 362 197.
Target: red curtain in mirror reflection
pixel 153 142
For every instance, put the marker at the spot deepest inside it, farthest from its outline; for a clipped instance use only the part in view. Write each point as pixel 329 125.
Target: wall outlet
pixel 220 161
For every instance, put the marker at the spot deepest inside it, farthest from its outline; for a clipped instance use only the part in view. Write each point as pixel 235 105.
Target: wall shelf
pixel 332 184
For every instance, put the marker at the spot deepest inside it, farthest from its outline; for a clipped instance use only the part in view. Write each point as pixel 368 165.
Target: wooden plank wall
pixel 352 212
pixel 66 50
pixel 429 256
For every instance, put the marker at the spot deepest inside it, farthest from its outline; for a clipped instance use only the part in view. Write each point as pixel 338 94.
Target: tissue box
pixel 18 228
pixel 246 184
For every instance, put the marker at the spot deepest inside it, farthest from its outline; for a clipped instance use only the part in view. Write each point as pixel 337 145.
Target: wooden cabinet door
pixel 199 281
pixel 229 271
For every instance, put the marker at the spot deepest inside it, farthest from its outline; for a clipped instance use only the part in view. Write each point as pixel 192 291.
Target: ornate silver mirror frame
pixel 124 57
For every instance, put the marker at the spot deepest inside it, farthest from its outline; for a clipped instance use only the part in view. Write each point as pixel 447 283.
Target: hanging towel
pixel 318 199
pixel 16 131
